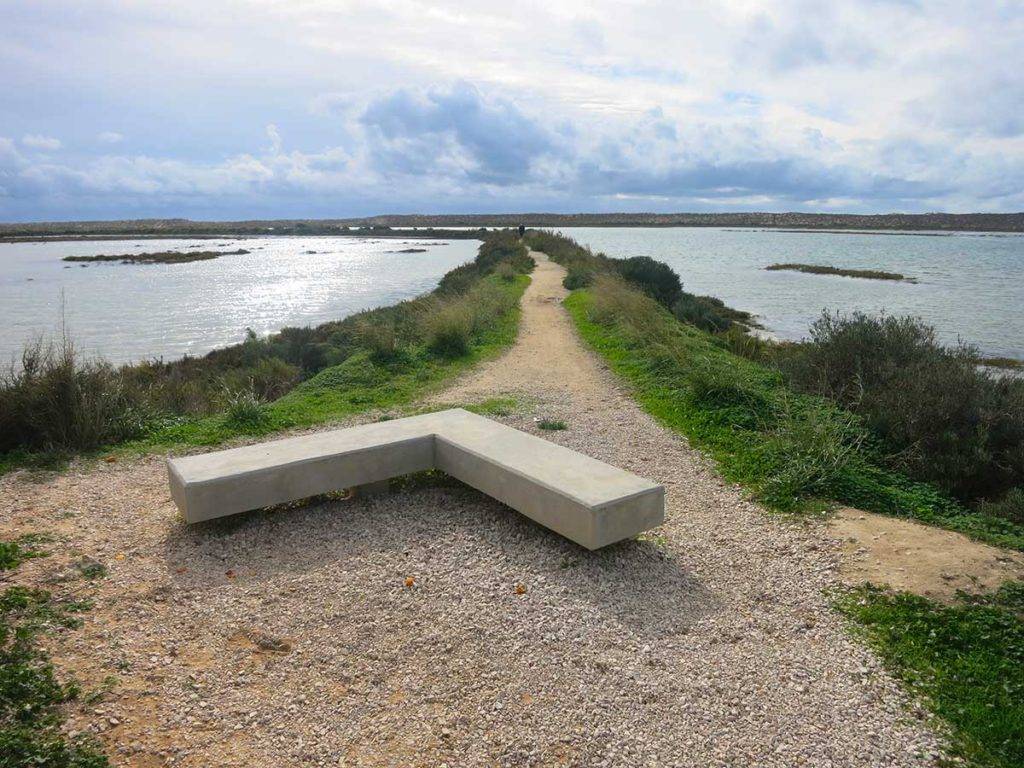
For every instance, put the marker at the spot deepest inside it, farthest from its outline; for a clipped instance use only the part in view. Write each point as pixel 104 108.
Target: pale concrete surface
pixel 583 499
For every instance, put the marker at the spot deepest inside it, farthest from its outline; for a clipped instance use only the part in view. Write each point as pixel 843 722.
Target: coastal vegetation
pixel 966 660
pixel 817 269
pixel 56 404
pixel 32 693
pixel 870 412
pixel 161 257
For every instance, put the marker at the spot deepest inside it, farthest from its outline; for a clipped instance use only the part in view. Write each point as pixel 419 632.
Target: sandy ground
pixel 917 558
pixel 294 637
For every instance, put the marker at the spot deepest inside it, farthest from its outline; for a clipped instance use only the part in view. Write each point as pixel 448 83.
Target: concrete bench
pixel 585 500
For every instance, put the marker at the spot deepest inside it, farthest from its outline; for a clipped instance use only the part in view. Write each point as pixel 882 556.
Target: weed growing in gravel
pixel 966 661
pixel 30 693
pixel 552 425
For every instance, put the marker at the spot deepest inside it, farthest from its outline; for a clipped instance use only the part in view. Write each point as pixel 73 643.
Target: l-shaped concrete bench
pixel 585 500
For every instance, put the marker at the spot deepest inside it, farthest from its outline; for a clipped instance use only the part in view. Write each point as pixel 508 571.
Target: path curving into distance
pixel 430 626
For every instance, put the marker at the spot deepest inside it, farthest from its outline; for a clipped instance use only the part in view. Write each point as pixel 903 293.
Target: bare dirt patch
pixel 918 558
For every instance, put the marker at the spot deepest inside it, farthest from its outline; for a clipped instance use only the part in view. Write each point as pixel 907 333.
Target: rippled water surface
pixel 130 312
pixel 969 285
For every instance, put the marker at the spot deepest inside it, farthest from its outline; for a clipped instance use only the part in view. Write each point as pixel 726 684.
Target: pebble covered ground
pixel 432 626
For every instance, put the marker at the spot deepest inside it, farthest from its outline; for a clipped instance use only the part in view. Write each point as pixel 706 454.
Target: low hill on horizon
pixel 942 222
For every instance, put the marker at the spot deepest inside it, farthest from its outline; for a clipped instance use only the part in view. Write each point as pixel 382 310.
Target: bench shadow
pixel 640 584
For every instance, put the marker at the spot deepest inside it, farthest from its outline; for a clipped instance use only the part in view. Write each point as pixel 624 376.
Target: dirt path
pixel 547 357
pixel 293 637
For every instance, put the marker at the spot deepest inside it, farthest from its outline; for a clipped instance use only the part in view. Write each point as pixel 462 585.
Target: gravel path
pixel 295 638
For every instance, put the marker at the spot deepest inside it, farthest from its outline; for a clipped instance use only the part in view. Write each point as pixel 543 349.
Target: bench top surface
pixel 590 481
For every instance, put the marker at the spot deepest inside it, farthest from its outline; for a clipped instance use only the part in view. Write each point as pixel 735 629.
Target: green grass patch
pixel 551 425
pixel 361 383
pixel 31 695
pixel 794 452
pixel 966 661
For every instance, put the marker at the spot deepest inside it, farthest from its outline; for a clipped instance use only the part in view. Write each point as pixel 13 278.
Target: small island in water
pixel 162 257
pixel 817 269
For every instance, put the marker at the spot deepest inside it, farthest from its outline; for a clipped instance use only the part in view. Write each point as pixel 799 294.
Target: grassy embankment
pixel 796 451
pixel 817 269
pixel 57 406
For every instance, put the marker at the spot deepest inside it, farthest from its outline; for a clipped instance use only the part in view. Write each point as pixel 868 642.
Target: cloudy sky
pixel 295 108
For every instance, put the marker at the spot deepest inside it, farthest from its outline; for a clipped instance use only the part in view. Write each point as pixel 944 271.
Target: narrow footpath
pixel 432 626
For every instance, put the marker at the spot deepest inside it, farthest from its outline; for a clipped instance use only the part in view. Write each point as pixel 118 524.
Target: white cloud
pixel 773 103
pixel 275 139
pixel 40 142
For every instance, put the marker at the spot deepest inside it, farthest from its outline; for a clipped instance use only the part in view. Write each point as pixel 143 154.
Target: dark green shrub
pixel 578 277
pixel 505 272
pixel 551 425
pixel 943 420
pixel 450 331
pixel 696 311
pixel 655 278
pixel 56 402
pixel 1010 507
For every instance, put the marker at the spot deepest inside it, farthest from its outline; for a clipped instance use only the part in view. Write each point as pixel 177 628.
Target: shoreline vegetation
pixel 159 257
pixel 434 225
pixel 871 412
pixel 817 269
pixel 57 406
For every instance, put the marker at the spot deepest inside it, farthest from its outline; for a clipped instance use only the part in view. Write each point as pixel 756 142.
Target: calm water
pixel 131 312
pixel 970 286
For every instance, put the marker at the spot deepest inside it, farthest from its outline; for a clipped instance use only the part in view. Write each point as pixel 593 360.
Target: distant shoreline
pixel 422 225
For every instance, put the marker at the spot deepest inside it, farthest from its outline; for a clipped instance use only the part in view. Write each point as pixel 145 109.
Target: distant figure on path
pixel 522 230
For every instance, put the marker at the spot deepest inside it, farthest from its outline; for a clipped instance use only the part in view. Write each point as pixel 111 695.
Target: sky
pixel 113 109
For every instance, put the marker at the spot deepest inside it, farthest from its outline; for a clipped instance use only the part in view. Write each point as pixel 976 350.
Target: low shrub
pixel 698 311
pixel 449 330
pixel 578 276
pixel 942 419
pixel 1009 507
pixel 551 425
pixel 505 272
pixel 243 409
pixel 57 402
pixel 655 278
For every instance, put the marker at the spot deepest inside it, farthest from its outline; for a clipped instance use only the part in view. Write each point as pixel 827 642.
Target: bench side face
pixel 591 527
pixel 241 492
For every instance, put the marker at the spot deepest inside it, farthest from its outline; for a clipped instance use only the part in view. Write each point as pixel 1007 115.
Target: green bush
pixel 698 311
pixel 655 278
pixel 578 276
pixel 505 272
pixel 450 330
pixel 55 402
pixel 243 409
pixel 1010 507
pixel 944 420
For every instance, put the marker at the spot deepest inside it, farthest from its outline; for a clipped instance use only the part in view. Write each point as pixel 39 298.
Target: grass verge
pixel 966 661
pixel 363 382
pixel 794 452
pixel 31 695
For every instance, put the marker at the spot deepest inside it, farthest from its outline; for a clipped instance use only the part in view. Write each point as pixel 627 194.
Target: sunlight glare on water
pixel 128 312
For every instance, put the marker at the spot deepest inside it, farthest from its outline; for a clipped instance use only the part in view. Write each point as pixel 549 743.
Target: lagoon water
pixel 970 285
pixel 130 312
